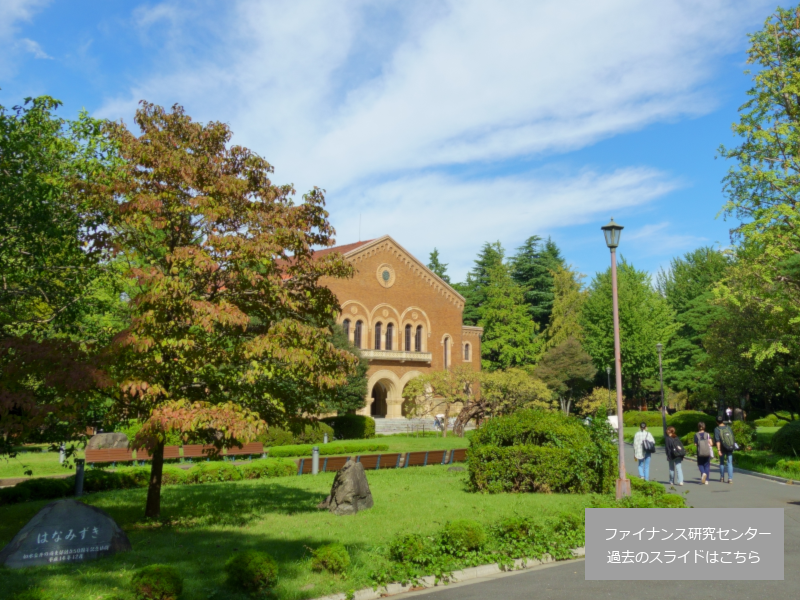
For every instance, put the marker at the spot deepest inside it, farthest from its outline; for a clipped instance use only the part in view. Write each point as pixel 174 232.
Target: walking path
pixel 565 581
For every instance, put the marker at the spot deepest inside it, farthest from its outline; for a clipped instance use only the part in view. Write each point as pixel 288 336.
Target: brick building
pixel 406 320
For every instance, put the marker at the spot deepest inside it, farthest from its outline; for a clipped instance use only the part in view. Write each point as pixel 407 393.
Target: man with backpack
pixel 726 444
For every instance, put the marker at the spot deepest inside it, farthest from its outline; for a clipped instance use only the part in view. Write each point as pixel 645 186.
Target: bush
pixel 352 427
pixel 791 466
pixel 787 440
pixel 648 488
pixel 764 423
pixel 632 418
pixel 206 472
pixel 157 582
pixel 326 449
pixel 270 467
pixel 252 571
pixel 541 451
pixel 38 489
pixel 685 421
pixel 333 558
pixel 670 501
pixel 412 548
pixel 463 536
pixel 308 434
pixel 744 433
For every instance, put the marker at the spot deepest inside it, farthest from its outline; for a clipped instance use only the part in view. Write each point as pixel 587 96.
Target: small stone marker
pixel 65 531
pixel 350 492
pixel 457 469
pixel 104 441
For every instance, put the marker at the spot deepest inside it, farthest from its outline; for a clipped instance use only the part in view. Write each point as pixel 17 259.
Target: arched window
pixel 447 353
pixel 378 335
pixel 389 335
pixel 408 338
pixel 357 334
pixel 346 327
pixel 466 352
pixel 418 339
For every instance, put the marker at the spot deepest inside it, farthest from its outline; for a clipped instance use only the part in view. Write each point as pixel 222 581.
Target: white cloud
pixel 33 48
pixel 659 238
pixel 12 13
pixel 399 108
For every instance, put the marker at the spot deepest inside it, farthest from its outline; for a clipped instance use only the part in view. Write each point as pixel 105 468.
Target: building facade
pixel 406 320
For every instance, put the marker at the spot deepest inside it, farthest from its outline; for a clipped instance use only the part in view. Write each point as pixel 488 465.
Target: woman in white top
pixel 643 446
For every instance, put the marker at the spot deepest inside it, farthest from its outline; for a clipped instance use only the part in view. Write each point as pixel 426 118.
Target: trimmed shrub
pixel 352 427
pixel 309 434
pixel 276 436
pixel 157 582
pixel 787 440
pixel 463 536
pixel 270 467
pixel 252 571
pixel 412 548
pixel 632 418
pixel 326 449
pixel 744 433
pixel 685 421
pixel 333 558
pixel 207 472
pixel 541 451
pixel 648 488
pixel 670 501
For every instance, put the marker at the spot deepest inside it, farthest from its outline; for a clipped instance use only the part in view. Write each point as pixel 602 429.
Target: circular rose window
pixel 386 276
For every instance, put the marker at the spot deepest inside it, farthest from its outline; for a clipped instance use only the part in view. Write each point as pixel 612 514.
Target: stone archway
pixel 383 395
pixel 378 408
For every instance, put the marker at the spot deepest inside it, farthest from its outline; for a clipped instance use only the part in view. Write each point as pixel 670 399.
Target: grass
pixel 204 525
pixel 46 463
pixel 764 436
pixel 762 461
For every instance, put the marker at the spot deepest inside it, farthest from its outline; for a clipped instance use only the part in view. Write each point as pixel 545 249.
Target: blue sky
pixel 444 124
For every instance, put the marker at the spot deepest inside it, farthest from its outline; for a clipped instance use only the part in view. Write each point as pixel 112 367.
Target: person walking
pixel 675 454
pixel 643 446
pixel 726 444
pixel 704 452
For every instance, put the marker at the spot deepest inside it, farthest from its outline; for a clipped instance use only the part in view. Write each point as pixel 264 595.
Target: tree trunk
pixel 446 419
pixel 153 508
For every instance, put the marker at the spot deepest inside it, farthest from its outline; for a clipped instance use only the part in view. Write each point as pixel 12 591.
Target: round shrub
pixel 352 427
pixel 648 488
pixel 514 528
pixel 632 418
pixel 744 433
pixel 541 451
pixel 252 571
pixel 269 467
pixel 157 582
pixel 173 476
pixel 333 558
pixel 787 440
pixel 276 436
pixel 411 548
pixel 463 536
pixel 685 421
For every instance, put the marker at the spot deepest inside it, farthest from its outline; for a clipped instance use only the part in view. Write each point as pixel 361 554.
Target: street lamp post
pixel 659 347
pixel 612 233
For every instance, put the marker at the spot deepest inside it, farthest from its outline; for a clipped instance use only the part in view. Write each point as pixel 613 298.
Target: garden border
pixel 471 574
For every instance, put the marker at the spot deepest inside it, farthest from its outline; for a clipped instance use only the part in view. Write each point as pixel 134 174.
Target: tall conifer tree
pixel 532 268
pixel 438 267
pixel 474 290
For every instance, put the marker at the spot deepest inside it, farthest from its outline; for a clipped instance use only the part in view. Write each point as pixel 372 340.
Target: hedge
pixel 787 440
pixel 352 427
pixel 542 451
pixel 326 449
pixel 308 434
pixel 685 421
pixel 633 418
pixel 98 480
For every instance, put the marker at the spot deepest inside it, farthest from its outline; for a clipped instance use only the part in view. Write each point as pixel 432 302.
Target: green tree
pixel 645 319
pixel 228 295
pixel 474 290
pixel 568 371
pixel 688 286
pixel 441 390
pixel 437 267
pixel 568 300
pixel 509 333
pixel 533 267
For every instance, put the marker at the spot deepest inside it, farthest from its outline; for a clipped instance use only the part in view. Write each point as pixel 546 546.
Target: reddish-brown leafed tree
pixel 227 286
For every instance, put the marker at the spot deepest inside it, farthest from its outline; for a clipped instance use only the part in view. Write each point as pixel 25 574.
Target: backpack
pixel 727 440
pixel 703 449
pixel 678 451
pixel 648 445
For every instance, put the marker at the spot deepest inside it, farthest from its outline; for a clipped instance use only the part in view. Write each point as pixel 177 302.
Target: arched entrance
pixel 379 407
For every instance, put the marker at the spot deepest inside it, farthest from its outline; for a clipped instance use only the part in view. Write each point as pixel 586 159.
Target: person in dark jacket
pixel 675 454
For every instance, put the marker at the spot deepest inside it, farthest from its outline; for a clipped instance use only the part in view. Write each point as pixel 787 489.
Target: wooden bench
pixel 331 464
pixel 109 455
pixel 369 461
pixel 197 451
pixel 436 457
pixel 459 455
pixel 247 450
pixel 416 459
pixel 169 452
pixel 390 461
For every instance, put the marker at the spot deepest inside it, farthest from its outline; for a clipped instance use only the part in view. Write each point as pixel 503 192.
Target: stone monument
pixel 65 531
pixel 104 441
pixel 350 492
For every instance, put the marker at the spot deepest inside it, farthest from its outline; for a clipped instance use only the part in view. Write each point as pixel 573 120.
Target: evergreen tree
pixel 645 319
pixel 437 267
pixel 568 300
pixel 474 290
pixel 532 267
pixel 688 286
pixel 509 333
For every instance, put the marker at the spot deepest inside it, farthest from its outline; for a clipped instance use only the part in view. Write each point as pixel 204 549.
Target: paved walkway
pixel 565 581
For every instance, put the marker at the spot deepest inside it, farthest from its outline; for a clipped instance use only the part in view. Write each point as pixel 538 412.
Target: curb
pixel 464 575
pixel 736 469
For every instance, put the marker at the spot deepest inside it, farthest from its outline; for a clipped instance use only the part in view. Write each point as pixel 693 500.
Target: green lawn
pixel 211 522
pixel 762 461
pixel 46 463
